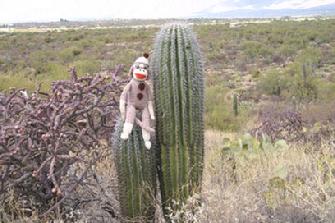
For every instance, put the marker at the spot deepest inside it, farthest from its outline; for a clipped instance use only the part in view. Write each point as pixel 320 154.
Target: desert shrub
pixel 319 122
pixel 53 72
pixel 286 51
pixel 39 60
pixel 77 37
pixel 311 56
pixel 85 43
pixel 298 81
pixel 49 39
pixel 241 62
pixel 275 39
pixel 303 82
pixel 279 183
pixel 219 112
pixel 308 123
pixel 273 82
pixel 87 66
pixel 255 73
pixel 322 112
pixel 326 90
pixel 76 52
pixel 328 54
pixel 67 55
pixel 255 49
pixel 48 144
pixel 13 81
pixel 279 122
pixel 278 59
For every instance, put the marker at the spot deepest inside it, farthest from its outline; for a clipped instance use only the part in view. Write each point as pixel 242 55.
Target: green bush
pixel 273 82
pixel 17 80
pixel 53 72
pixel 310 56
pixel 39 59
pixel 87 66
pixel 286 51
pixel 255 49
pixel 67 55
pixel 326 90
pixel 219 113
pixel 76 52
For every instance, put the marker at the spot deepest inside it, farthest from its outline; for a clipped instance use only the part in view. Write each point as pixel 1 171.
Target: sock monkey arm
pixel 151 110
pixel 150 102
pixel 123 99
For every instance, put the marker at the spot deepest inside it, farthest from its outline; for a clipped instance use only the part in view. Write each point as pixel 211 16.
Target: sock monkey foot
pixel 124 135
pixel 147 144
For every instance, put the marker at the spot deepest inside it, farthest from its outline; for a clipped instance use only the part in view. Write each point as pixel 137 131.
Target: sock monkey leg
pixel 146 123
pixel 128 125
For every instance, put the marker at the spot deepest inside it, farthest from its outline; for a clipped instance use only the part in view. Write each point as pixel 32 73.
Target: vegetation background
pixel 270 109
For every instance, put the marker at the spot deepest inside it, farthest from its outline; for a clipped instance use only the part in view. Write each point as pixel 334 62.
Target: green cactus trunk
pixel 179 97
pixel 136 170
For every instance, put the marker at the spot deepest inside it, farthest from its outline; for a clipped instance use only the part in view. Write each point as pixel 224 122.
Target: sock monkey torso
pixel 137 94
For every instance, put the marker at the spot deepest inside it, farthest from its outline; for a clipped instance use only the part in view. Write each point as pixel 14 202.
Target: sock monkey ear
pixel 146 55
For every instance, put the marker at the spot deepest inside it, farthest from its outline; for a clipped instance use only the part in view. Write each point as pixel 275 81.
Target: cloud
pixel 299 4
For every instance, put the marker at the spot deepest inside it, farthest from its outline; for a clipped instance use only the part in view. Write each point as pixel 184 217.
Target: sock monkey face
pixel 140 71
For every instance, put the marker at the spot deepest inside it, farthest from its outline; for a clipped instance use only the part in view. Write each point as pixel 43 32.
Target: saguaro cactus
pixel 177 71
pixel 136 168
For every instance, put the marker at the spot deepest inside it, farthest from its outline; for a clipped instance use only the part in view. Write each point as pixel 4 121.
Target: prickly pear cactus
pixel 177 72
pixel 136 168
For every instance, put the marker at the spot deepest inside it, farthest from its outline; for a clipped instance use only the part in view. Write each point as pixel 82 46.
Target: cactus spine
pixel 136 168
pixel 179 97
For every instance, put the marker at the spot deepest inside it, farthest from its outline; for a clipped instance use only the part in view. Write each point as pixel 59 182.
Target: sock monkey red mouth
pixel 140 76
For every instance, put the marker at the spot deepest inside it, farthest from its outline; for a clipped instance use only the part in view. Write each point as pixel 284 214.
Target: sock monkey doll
pixel 137 97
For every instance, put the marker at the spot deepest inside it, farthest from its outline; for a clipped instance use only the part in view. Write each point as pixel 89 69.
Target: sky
pixel 52 10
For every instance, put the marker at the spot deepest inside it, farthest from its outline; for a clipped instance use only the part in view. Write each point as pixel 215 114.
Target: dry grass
pixel 288 184
pixel 282 185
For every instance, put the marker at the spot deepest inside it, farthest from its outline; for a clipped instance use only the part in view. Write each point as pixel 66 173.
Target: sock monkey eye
pixel 143 66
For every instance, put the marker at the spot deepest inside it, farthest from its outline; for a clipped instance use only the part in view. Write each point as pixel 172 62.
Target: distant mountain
pixel 325 10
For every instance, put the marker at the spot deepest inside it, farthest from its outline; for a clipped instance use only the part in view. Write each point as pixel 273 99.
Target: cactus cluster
pixel 179 96
pixel 178 151
pixel 249 145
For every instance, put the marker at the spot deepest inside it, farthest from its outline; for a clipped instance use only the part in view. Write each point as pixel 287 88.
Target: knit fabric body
pixel 137 94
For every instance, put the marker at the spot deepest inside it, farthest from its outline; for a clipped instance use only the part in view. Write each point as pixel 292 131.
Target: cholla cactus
pixel 136 168
pixel 179 97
